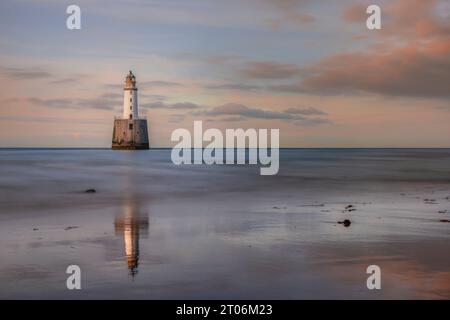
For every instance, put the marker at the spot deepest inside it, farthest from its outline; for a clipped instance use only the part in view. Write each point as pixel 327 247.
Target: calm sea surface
pixel 154 230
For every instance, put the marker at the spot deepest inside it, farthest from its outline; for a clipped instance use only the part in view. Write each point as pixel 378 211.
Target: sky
pixel 309 68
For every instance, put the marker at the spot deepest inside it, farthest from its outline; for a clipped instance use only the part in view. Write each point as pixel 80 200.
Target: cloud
pixel 68 80
pixel 111 95
pixel 410 59
pixel 360 37
pixel 269 70
pixel 38 74
pixel 231 112
pixel 291 12
pixel 229 119
pixel 405 19
pixel 416 70
pixel 158 97
pixel 25 74
pixel 309 122
pixel 65 81
pixel 231 86
pixel 105 101
pixel 222 58
pixel 177 106
pixel 355 13
pixel 244 111
pixel 115 86
pixel 415 19
pixel 41 119
pixel 305 111
pixel 51 102
pixel 156 83
pixel 239 112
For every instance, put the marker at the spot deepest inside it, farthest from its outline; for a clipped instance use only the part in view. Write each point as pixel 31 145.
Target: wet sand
pixel 153 230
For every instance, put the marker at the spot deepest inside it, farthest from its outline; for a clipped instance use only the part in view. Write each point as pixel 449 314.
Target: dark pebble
pixel 90 191
pixel 346 222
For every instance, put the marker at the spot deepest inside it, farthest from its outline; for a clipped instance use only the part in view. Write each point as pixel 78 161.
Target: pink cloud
pixel 418 69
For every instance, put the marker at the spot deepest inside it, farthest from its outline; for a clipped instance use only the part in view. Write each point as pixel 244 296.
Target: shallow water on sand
pixel 159 231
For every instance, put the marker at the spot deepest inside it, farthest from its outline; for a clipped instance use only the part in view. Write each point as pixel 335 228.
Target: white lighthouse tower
pixel 130 98
pixel 130 132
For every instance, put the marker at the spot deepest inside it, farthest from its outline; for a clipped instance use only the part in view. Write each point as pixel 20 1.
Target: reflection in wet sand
pixel 131 225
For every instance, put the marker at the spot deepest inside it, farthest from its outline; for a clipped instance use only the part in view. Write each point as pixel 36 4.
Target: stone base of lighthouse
pixel 130 134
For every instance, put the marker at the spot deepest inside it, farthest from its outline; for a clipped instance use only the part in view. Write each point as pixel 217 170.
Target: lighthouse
pixel 130 131
pixel 130 98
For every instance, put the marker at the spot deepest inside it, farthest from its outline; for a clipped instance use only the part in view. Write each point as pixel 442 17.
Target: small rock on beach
pixel 345 222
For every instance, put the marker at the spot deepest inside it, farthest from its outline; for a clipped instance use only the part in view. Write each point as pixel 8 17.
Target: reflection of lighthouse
pixel 130 131
pixel 131 225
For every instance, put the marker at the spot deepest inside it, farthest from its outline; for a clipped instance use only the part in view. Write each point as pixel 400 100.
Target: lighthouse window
pixel 131 126
pixel 131 99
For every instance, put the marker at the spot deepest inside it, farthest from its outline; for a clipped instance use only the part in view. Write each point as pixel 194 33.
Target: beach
pixel 154 230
